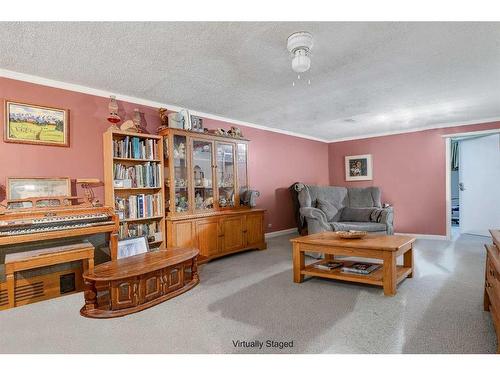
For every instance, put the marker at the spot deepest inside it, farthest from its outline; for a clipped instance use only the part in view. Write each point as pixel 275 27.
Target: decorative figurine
pixel 235 132
pixel 198 176
pixel 163 118
pixel 198 200
pixel 182 151
pixel 209 202
pixel 222 202
pixel 134 125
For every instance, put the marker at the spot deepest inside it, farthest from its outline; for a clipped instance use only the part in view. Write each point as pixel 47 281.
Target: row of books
pixel 139 206
pixel 135 148
pixel 359 268
pixel 141 175
pixel 150 230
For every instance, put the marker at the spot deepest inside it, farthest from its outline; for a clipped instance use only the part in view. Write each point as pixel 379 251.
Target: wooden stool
pixel 50 256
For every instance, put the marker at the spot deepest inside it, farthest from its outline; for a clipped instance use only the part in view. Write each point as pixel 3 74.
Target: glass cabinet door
pixel 202 175
pixel 242 167
pixel 180 166
pixel 225 174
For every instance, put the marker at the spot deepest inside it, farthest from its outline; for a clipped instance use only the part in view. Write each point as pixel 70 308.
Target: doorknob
pixel 461 186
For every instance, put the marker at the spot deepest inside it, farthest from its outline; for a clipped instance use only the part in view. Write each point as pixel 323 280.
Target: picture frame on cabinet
pixel 36 124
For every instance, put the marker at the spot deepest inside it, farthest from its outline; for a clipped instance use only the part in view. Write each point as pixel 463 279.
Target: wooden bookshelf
pixel 112 192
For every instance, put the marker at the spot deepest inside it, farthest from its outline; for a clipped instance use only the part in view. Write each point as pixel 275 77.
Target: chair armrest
pixel 387 217
pixel 316 219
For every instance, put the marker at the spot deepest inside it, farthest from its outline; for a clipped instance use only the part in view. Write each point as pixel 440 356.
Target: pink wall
pixel 275 160
pixel 410 170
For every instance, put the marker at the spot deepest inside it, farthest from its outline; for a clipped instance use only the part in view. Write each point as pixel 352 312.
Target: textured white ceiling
pixel 366 78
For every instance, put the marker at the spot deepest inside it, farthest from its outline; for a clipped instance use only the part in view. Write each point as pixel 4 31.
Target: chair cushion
pixel 364 197
pixel 328 208
pixel 353 225
pixel 356 214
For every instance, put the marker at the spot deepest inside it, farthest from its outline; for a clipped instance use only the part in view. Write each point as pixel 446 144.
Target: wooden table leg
pixel 11 284
pixel 329 257
pixel 486 300
pixel 389 274
pixel 298 263
pixel 408 260
pixel 90 295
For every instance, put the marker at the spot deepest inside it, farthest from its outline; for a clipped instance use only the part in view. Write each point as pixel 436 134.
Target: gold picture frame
pixel 36 124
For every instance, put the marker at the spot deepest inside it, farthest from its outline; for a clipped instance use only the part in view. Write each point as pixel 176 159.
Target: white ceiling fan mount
pixel 299 44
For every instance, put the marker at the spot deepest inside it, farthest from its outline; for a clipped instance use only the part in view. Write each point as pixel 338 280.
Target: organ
pixel 49 224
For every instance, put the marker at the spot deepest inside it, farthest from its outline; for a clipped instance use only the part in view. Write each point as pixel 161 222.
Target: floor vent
pixel 30 291
pixel 4 298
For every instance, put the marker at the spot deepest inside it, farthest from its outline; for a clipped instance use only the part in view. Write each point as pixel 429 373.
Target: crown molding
pixel 414 130
pixel 150 103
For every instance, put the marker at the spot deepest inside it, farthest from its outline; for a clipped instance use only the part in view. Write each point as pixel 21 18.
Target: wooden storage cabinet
pixel 204 177
pixel 254 231
pixel 232 233
pixel 492 283
pixel 207 236
pixel 221 233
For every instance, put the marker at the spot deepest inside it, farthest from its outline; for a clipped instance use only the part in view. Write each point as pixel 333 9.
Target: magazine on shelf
pixel 328 266
pixel 361 268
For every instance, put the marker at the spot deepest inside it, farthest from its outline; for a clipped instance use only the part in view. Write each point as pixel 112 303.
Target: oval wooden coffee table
pixel 132 284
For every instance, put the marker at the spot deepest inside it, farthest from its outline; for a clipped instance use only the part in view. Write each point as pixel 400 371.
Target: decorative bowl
pixel 352 234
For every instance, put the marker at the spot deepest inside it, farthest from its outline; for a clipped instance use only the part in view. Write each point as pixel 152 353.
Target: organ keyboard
pixel 29 225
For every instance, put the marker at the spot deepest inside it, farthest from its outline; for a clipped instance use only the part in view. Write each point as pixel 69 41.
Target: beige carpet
pixel 251 296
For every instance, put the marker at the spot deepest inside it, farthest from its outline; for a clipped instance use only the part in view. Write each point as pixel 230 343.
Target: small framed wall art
pixel 358 168
pixel 35 124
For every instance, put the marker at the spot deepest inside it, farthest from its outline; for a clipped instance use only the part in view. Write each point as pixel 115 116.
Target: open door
pixel 479 176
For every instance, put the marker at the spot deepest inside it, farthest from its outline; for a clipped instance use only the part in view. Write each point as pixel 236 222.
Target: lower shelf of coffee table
pixel 374 278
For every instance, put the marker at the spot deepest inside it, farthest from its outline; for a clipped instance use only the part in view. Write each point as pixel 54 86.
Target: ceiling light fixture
pixel 299 45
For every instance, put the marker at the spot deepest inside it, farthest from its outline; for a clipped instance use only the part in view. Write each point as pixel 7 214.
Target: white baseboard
pixel 425 236
pixel 281 233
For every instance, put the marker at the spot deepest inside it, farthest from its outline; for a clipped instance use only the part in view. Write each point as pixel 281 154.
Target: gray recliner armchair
pixel 335 208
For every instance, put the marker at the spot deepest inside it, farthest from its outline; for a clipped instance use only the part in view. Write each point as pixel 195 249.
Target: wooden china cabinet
pixel 204 176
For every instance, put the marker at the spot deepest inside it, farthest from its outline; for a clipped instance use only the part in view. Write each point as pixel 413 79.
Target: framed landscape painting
pixel 358 168
pixel 34 124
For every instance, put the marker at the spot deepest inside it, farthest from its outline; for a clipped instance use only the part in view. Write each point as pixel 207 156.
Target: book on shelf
pixel 151 230
pixel 139 206
pixel 143 175
pixel 135 148
pixel 328 266
pixel 361 268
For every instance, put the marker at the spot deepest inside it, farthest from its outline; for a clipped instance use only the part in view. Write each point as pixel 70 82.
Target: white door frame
pixel 448 138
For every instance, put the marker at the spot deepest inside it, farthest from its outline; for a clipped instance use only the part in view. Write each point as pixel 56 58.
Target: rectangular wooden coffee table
pixel 385 247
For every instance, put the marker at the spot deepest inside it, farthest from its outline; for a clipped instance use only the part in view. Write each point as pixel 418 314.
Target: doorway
pixel 474 183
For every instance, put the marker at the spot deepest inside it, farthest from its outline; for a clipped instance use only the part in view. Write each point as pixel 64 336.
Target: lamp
pixel 113 117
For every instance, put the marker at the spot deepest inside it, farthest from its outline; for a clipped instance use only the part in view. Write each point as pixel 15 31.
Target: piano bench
pixel 49 256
